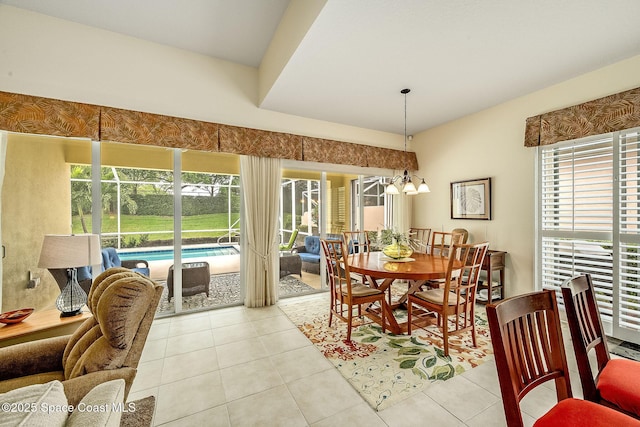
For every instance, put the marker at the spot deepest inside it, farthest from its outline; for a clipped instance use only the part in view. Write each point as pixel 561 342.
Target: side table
pixel 290 264
pixel 195 279
pixel 493 262
pixel 41 324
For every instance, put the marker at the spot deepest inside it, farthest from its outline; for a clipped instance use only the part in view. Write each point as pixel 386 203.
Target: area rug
pixel 141 415
pixel 224 289
pixel 387 368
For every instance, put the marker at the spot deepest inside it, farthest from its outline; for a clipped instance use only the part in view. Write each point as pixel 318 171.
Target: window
pixel 589 215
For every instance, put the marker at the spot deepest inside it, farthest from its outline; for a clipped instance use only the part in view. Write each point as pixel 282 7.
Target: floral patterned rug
pixel 387 368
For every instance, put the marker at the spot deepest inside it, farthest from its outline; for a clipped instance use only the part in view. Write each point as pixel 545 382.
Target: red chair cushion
pixel 582 413
pixel 619 384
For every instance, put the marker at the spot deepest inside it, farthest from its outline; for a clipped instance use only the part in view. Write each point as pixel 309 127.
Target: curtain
pixel 3 156
pixel 261 178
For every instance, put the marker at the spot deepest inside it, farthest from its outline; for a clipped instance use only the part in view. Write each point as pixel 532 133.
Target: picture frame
pixel 471 199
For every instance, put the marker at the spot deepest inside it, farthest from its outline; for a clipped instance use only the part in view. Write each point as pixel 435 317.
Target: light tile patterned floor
pixel 252 367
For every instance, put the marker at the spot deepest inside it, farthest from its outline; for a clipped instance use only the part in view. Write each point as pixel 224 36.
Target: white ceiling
pixel 456 56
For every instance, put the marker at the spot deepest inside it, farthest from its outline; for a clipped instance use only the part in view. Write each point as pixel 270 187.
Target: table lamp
pixel 70 252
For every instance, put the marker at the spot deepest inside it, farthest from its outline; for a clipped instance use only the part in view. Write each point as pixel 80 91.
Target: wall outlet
pixel 34 281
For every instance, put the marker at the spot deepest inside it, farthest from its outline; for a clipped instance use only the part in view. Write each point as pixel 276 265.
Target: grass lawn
pixel 145 224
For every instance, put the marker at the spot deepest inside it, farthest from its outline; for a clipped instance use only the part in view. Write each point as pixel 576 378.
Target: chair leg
pixel 409 305
pixel 445 335
pixel 382 313
pixel 473 330
pixel 349 320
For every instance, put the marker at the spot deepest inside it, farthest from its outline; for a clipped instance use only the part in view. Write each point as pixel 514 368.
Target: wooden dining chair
pixel 615 383
pixel 357 241
pixel 454 304
pixel 441 241
pixel 419 239
pixel 344 294
pixel 529 351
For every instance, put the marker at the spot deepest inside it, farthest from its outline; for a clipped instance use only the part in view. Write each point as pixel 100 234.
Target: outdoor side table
pixel 290 264
pixel 195 279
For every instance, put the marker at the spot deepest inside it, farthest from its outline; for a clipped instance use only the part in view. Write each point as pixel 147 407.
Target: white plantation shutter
pixel 590 222
pixel 629 266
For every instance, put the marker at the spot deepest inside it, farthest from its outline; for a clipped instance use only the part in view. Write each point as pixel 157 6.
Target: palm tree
pixel 81 191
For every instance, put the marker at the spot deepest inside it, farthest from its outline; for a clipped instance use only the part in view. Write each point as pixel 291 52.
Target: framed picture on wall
pixel 471 199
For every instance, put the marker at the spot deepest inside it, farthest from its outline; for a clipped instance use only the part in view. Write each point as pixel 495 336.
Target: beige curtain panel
pixel 261 178
pixel 609 114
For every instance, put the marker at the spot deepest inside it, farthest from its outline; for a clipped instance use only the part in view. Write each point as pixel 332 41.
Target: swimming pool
pixel 167 254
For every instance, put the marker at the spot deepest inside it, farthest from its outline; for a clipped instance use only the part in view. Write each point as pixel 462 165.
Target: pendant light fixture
pixel 404 180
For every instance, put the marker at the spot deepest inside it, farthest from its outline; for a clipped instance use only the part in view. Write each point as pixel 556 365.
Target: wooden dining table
pixel 380 272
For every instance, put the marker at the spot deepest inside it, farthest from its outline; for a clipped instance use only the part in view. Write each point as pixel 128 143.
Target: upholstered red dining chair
pixel 529 351
pixel 616 382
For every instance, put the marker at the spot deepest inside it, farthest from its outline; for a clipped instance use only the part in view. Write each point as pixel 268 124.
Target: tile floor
pixel 252 367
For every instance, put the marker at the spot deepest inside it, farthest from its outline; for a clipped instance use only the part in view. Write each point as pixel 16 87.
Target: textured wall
pixel 35 202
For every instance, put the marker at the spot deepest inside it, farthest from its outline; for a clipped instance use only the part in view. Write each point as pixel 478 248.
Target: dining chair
pixel 357 241
pixel 441 241
pixel 529 351
pixel 615 383
pixel 344 294
pixel 419 239
pixel 454 304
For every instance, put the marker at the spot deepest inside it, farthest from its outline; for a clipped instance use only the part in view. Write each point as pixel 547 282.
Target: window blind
pixel 590 222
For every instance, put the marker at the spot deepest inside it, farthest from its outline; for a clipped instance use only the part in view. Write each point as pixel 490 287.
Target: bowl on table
pixel 15 316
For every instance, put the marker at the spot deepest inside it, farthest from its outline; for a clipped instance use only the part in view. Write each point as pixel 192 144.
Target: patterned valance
pixel 609 114
pixel 46 116
pixel 379 157
pixel 134 127
pixel 328 151
pixel 345 153
pixel 260 143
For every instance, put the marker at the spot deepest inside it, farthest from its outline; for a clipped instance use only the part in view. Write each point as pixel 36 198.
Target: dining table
pixel 380 272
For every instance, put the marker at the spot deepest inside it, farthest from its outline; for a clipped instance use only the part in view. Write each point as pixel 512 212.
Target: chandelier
pixel 404 180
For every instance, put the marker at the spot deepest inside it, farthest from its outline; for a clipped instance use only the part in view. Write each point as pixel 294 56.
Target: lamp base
pixel 71 313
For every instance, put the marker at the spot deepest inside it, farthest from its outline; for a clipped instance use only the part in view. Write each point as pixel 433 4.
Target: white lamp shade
pixel 409 188
pixel 67 251
pixel 423 187
pixel 391 189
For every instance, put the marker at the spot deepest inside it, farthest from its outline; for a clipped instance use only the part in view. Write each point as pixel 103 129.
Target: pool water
pixel 167 254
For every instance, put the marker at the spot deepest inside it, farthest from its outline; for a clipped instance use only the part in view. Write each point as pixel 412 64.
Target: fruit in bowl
pixel 15 316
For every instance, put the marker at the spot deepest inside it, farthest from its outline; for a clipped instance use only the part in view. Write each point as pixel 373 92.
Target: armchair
pixel 105 347
pixel 110 258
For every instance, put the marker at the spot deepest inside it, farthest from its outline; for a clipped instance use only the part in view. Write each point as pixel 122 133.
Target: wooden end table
pixel 41 324
pixel 494 261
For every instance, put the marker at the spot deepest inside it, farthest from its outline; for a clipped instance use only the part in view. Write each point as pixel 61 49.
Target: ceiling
pixel 457 56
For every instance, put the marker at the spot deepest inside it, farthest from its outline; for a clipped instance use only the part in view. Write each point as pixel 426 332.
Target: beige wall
pixel 35 201
pixel 491 144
